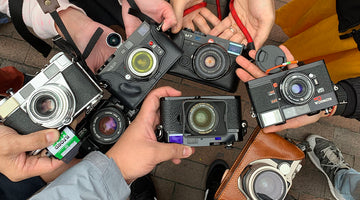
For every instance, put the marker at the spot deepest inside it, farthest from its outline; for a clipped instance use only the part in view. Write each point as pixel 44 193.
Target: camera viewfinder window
pixel 235 49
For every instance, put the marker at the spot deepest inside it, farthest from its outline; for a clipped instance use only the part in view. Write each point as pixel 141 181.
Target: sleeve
pixel 349 102
pixel 42 24
pixel 96 177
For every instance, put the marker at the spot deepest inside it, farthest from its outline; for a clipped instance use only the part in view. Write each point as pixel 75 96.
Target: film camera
pixel 207 59
pixel 287 94
pixel 51 100
pixel 138 64
pixel 264 169
pixel 201 121
pixel 103 126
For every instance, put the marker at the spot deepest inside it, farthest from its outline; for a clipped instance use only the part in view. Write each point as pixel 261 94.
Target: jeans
pixel 347 181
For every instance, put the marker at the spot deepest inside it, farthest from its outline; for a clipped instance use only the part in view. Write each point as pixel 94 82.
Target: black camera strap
pixel 135 10
pixel 15 8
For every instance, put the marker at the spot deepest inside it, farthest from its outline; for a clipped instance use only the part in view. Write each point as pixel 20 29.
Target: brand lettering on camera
pixel 320 100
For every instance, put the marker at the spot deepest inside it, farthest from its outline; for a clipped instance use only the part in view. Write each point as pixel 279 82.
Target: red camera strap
pixel 194 7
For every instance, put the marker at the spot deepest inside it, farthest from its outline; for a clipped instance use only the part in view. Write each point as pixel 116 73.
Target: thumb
pixel 169 151
pixel 179 7
pixel 36 140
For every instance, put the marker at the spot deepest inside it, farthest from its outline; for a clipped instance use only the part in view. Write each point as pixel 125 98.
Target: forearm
pixel 349 98
pixel 96 176
pixel 42 24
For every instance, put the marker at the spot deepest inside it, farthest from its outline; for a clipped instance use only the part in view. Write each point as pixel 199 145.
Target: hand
pixel 249 71
pixel 14 161
pixel 81 28
pixel 158 10
pixel 137 151
pixel 197 18
pixel 257 16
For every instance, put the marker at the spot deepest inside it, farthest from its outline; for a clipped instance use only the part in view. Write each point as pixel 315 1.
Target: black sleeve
pixel 348 94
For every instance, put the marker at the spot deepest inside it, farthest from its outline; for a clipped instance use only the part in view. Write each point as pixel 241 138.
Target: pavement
pixel 187 180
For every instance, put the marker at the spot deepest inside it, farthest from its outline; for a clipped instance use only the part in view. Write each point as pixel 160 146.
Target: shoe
pixel 214 175
pixel 328 159
pixel 143 189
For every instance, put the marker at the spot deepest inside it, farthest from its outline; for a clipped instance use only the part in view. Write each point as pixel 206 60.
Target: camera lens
pixel 297 88
pixel 211 61
pixel 114 40
pixel 142 62
pixel 107 125
pixel 51 106
pixel 202 118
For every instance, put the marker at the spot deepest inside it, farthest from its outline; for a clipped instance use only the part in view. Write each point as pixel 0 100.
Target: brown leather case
pixel 259 146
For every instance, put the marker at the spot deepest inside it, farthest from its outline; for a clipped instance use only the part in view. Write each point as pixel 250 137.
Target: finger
pixel 36 166
pixel 226 34
pixel 34 141
pixel 250 67
pixel 243 75
pixel 288 55
pixel 151 103
pixel 209 16
pixel 170 19
pixel 171 151
pixel 238 38
pixel 221 27
pixel 179 7
pixel 201 23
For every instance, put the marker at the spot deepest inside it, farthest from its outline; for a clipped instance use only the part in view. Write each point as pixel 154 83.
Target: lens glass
pixel 269 185
pixel 210 61
pixel 113 39
pixel 107 125
pixel 45 105
pixel 297 88
pixel 142 62
pixel 202 118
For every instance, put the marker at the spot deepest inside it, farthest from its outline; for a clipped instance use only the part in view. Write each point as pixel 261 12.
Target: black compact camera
pixel 201 121
pixel 138 64
pixel 52 99
pixel 207 59
pixel 287 94
pixel 103 126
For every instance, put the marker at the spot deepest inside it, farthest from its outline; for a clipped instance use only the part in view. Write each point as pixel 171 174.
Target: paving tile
pixel 164 188
pixel 204 87
pixel 172 78
pixel 349 158
pixel 21 67
pixel 351 124
pixel 356 165
pixel 7 29
pixel 36 59
pixel 185 192
pixel 347 141
pixel 12 49
pixel 317 128
pixel 246 114
pixel 279 4
pixel 305 196
pixel 187 172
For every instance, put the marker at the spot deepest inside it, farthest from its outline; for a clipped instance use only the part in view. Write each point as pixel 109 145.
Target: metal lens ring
pixel 203 118
pixel 107 125
pixel 297 88
pixel 211 61
pixel 142 62
pixel 51 106
pixel 113 40
pixel 264 182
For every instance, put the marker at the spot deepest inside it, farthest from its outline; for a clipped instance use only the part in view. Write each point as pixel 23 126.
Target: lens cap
pixel 270 56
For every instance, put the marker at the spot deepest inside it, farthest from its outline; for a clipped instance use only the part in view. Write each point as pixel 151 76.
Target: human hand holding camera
pixel 250 71
pixel 257 16
pixel 15 163
pixel 137 151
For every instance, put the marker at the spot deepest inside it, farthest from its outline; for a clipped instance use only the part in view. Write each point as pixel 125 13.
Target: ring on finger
pixel 232 30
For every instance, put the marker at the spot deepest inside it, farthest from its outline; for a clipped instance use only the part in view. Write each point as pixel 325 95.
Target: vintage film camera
pixel 207 59
pixel 287 94
pixel 201 121
pixel 138 64
pixel 52 99
pixel 103 126
pixel 264 169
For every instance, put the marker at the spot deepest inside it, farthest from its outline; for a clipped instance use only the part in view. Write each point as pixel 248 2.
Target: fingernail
pixel 52 136
pixel 187 151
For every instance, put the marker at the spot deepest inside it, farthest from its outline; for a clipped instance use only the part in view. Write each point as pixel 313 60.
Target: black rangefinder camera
pixel 52 99
pixel 207 59
pixel 103 126
pixel 138 64
pixel 201 121
pixel 284 95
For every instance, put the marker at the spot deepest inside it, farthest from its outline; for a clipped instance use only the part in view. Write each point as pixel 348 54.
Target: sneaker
pixel 328 159
pixel 143 189
pixel 213 180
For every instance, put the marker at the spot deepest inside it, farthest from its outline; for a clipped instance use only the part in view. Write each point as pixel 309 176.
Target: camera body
pixel 287 94
pixel 202 121
pixel 255 179
pixel 52 98
pixel 207 59
pixel 103 126
pixel 138 64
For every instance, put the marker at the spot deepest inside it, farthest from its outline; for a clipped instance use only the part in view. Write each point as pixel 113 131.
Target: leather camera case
pixel 259 146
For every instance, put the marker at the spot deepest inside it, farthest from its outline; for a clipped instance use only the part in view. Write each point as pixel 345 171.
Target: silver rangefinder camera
pixel 52 99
